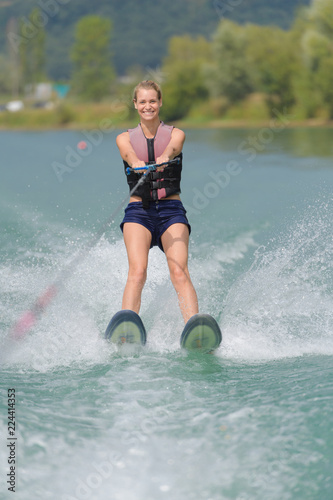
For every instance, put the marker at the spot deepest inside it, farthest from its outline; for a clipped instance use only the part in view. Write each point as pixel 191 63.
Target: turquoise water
pixel 253 421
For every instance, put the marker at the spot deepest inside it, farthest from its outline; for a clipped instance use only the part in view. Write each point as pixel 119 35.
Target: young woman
pixel 155 215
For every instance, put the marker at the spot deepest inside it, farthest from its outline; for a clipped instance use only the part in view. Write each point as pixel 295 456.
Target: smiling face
pixel 148 104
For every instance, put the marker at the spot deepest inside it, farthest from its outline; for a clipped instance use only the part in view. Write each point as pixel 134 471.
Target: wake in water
pixel 283 306
pixel 280 307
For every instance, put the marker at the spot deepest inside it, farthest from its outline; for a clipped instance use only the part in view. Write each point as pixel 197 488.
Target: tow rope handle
pixel 152 168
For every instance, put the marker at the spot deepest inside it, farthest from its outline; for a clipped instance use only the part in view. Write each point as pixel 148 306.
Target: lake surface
pixel 254 420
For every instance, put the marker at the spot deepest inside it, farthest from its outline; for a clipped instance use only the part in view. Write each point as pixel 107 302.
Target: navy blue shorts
pixel 157 218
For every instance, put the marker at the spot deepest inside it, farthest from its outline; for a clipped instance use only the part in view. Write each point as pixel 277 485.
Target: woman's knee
pixel 178 274
pixel 137 274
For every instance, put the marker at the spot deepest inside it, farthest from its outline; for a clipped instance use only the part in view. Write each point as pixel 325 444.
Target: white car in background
pixel 14 106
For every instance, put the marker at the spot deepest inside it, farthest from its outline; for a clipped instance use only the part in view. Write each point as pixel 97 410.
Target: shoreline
pixel 184 124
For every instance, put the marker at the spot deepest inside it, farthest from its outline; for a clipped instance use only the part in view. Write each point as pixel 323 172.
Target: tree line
pixel 131 39
pixel 291 69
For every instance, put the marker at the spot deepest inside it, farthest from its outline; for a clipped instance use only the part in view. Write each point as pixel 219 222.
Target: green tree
pixel 324 80
pixel 184 77
pixel 307 99
pixel 231 77
pixel 271 63
pixel 5 75
pixel 316 56
pixel 321 16
pixel 10 73
pixel 91 55
pixel 31 48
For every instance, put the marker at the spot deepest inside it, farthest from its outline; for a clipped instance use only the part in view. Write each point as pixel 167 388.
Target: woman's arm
pixel 127 152
pixel 174 148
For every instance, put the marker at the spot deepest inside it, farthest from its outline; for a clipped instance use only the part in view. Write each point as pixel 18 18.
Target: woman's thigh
pixel 137 240
pixel 175 245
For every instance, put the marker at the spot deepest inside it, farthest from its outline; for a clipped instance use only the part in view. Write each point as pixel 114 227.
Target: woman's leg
pixel 137 239
pixel 175 244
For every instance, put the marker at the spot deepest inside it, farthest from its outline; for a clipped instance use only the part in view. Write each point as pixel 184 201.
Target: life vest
pixel 157 185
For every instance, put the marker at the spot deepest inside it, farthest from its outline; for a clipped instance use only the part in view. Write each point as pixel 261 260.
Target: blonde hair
pixel 147 85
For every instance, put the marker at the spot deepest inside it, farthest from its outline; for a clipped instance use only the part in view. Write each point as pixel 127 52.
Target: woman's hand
pixel 139 164
pixel 162 159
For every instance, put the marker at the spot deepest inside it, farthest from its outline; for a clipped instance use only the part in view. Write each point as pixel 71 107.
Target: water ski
pixel 202 333
pixel 126 327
